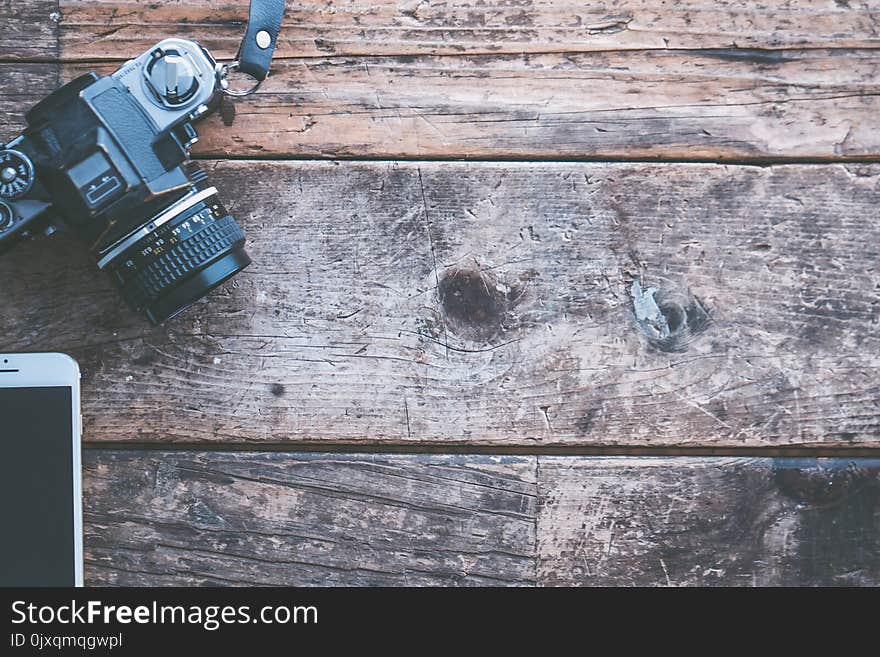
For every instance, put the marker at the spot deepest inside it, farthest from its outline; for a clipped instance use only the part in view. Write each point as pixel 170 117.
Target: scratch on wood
pixel 433 251
pixel 406 412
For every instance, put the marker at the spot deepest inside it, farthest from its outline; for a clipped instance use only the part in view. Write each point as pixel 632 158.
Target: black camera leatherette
pixel 130 127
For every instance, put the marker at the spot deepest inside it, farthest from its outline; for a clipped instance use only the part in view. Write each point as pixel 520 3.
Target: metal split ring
pixel 223 71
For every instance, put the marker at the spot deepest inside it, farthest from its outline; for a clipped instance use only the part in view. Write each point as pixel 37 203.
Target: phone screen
pixel 36 487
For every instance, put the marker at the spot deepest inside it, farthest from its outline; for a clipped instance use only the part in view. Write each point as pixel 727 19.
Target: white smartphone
pixel 40 481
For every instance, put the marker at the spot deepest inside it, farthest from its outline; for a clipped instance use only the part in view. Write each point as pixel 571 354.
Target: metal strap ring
pixel 223 73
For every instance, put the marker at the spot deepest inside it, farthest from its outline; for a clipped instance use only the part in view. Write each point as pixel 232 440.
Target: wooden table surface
pixel 543 293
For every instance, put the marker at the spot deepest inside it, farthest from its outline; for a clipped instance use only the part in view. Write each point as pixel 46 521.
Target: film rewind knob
pixel 171 77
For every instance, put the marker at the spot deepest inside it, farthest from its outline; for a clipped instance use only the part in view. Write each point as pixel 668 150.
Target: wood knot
pixel 822 483
pixel 669 317
pixel 476 305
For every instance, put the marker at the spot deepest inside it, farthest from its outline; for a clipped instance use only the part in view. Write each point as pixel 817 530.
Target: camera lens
pixel 179 256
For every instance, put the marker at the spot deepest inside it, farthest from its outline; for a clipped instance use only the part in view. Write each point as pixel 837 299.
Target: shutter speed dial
pixel 16 174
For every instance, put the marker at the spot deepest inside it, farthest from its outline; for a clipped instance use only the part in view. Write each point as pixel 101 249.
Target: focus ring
pixel 177 263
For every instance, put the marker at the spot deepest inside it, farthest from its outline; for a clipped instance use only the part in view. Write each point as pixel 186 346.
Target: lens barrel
pixel 179 256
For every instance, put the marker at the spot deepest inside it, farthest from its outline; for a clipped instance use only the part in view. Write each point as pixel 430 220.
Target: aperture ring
pixel 176 264
pixel 169 214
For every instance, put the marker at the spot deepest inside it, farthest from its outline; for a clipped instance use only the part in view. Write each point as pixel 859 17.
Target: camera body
pixel 107 159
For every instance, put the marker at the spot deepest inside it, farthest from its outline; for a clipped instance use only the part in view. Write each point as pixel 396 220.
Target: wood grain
pixel 29 31
pixel 180 518
pixel 551 82
pixel 24 85
pixel 106 28
pixel 276 519
pixel 508 305
pixel 708 522
pixel 495 304
pixel 706 105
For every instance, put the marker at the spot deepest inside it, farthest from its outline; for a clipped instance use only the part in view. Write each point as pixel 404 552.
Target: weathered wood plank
pixel 160 518
pixel 716 102
pixel 106 28
pixel 29 31
pixel 495 304
pixel 277 519
pixel 23 85
pixel 693 105
pixel 704 522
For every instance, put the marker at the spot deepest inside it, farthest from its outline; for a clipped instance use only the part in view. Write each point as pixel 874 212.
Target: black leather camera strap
pixel 258 45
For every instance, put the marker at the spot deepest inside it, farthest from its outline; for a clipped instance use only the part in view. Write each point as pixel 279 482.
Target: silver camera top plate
pixel 175 80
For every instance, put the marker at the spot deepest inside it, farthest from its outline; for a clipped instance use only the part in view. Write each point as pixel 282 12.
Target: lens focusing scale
pixel 182 260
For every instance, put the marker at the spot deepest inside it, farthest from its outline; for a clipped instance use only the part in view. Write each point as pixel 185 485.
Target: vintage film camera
pixel 106 158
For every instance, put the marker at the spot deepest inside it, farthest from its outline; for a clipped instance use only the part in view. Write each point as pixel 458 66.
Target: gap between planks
pixel 798 451
pixel 757 161
pixel 746 54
